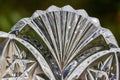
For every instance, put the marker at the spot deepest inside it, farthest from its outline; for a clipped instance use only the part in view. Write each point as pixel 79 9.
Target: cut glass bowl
pixel 59 44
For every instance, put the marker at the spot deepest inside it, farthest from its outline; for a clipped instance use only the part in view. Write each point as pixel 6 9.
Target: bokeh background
pixel 108 11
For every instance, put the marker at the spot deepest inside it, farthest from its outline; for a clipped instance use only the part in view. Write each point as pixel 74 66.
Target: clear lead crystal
pixel 59 44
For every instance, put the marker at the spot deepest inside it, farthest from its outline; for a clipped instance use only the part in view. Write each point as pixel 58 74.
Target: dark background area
pixel 108 11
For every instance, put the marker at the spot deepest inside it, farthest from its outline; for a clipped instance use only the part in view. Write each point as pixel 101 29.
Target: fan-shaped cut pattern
pixel 59 44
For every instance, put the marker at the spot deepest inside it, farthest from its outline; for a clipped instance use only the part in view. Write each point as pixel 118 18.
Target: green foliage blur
pixel 108 11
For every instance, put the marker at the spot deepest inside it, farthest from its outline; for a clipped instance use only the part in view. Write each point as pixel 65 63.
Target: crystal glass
pixel 59 44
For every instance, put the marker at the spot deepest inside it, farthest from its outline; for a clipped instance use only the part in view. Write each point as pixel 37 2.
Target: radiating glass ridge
pixel 59 44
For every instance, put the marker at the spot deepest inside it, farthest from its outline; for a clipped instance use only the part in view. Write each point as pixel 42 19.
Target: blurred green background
pixel 108 11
